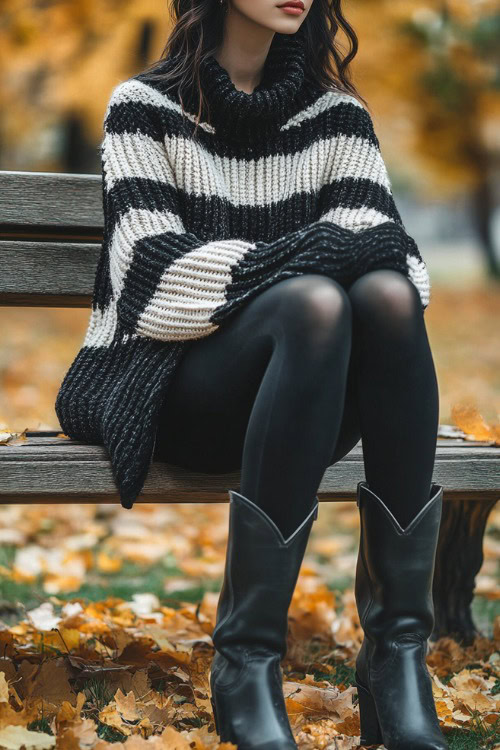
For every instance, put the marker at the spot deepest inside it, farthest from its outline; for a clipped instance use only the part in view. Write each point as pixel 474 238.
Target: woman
pixel 283 390
pixel 277 234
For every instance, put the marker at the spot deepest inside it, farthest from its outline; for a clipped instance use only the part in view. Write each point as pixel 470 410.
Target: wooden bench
pixel 51 230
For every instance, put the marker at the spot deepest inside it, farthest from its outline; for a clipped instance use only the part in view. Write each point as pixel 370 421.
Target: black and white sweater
pixel 283 181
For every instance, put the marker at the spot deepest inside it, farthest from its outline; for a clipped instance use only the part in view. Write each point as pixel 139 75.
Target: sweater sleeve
pixel 166 282
pixel 357 192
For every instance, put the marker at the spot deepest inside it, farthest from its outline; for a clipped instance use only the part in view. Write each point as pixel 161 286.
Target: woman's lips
pixel 293 8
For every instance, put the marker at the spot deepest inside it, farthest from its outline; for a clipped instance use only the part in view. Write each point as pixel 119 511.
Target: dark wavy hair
pixel 198 28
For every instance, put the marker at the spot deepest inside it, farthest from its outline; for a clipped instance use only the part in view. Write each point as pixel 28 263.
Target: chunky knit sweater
pixel 284 181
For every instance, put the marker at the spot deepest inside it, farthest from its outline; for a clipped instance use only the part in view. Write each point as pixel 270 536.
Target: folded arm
pixel 170 284
pixel 357 195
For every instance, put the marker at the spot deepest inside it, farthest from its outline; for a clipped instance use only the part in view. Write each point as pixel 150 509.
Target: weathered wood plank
pixel 51 199
pixel 39 438
pixel 47 273
pixel 43 447
pixel 43 300
pixel 59 470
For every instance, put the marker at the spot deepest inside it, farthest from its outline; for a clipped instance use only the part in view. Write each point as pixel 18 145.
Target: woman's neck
pixel 243 53
pixel 246 115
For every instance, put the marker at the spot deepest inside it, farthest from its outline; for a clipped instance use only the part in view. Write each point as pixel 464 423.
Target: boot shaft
pixel 395 567
pixel 260 575
pixel 393 591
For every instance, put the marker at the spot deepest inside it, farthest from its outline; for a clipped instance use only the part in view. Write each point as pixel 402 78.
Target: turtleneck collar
pixel 237 115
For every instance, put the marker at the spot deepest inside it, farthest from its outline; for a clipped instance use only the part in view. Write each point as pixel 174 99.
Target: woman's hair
pixel 198 27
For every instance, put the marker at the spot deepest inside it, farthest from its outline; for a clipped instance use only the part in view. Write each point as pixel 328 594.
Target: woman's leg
pixel 397 390
pixel 398 409
pixel 265 393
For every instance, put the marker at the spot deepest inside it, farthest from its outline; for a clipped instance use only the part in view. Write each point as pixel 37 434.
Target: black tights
pixel 288 385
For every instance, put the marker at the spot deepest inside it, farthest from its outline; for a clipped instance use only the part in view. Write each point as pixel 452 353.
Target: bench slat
pixel 47 273
pixel 56 470
pixel 51 199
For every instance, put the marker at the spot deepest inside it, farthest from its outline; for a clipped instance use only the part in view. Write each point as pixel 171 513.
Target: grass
pixel 480 737
pixel 133 578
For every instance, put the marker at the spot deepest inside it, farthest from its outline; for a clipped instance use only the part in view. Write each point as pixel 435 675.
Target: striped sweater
pixel 284 181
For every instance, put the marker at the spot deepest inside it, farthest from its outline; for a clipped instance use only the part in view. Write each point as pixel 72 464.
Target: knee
pixel 386 298
pixel 313 303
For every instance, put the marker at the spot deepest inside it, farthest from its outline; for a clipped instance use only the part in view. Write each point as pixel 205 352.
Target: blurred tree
pixel 59 60
pixel 436 66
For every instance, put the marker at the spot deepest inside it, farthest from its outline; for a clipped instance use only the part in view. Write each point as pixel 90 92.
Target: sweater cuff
pixel 332 250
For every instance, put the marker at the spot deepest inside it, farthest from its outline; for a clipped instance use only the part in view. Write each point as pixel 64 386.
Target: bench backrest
pixel 50 238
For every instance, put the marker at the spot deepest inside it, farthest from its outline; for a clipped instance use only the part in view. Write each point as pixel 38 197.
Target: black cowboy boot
pixel 250 635
pixel 393 590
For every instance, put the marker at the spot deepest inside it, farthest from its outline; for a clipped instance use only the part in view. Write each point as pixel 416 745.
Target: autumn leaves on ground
pixel 108 615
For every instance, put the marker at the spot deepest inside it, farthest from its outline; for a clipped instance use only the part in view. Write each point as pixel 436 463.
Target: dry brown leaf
pixel 16 737
pixel 68 712
pixel 4 689
pixel 79 735
pixel 318 701
pixel 467 416
pixel 126 706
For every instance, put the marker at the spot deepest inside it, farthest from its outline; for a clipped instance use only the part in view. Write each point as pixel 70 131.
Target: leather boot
pixel 393 589
pixel 250 635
